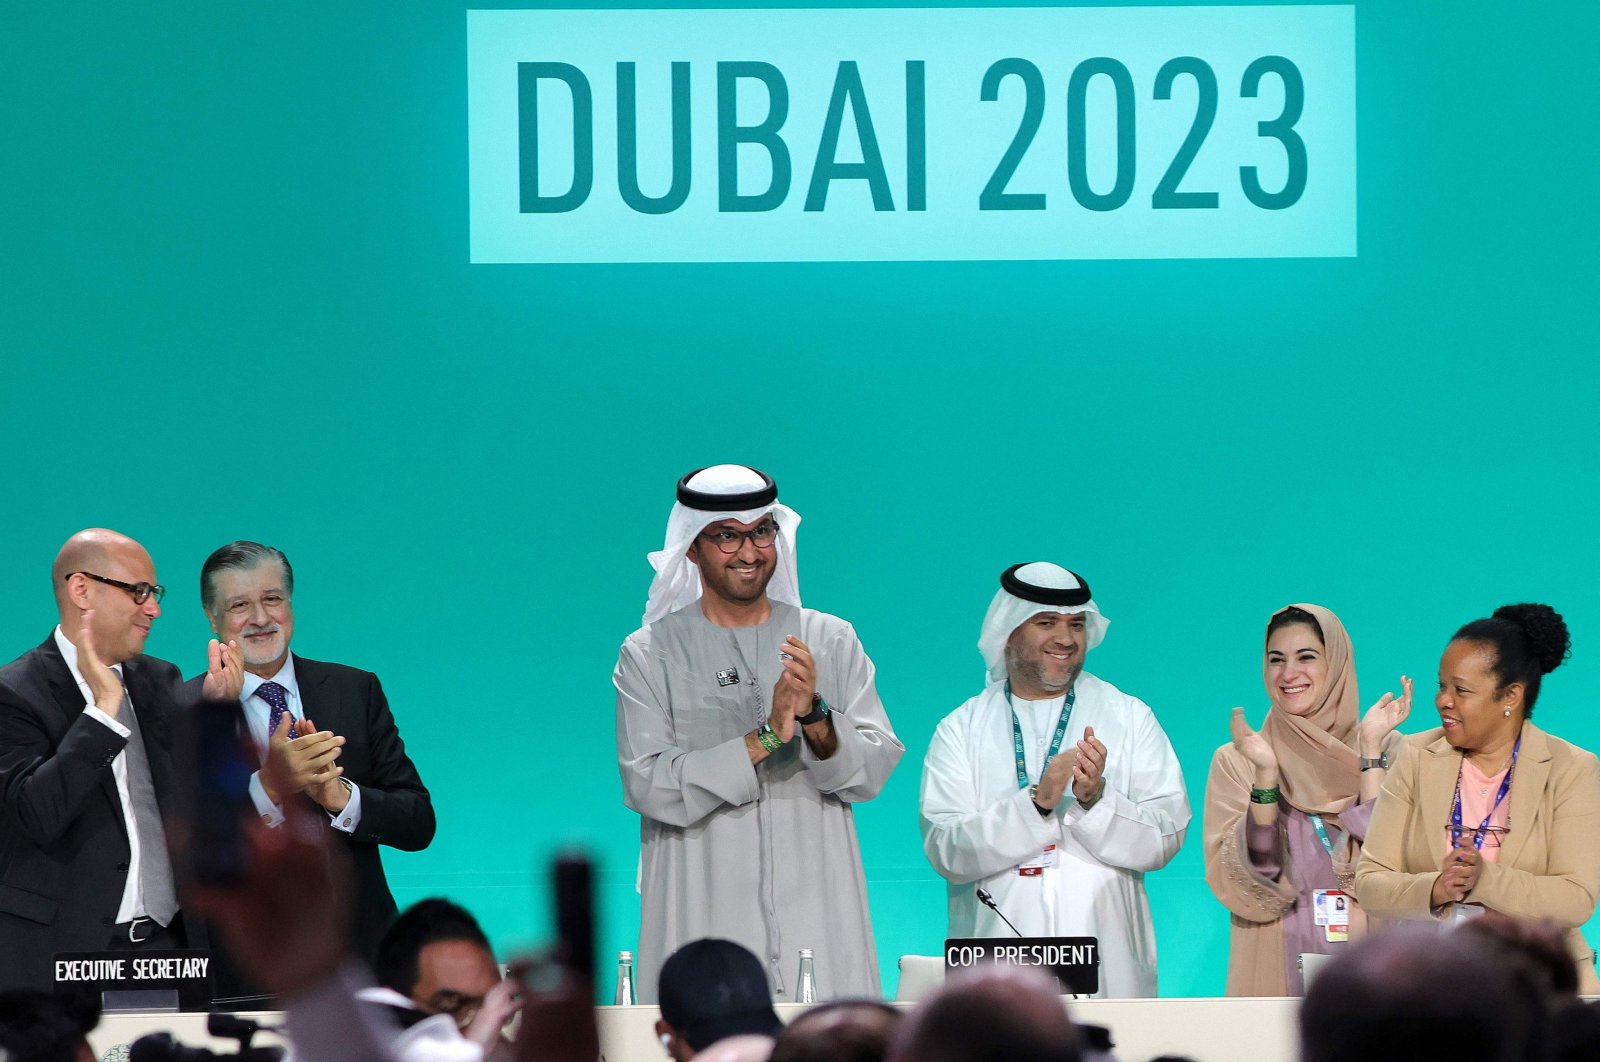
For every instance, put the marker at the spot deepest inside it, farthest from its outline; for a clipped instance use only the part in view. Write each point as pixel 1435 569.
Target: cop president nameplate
pixel 1073 961
pixel 903 134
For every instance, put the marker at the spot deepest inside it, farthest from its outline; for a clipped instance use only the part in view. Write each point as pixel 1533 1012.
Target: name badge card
pixel 1036 866
pixel 1331 910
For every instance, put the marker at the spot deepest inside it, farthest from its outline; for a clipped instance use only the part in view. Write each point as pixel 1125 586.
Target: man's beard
pixel 1032 672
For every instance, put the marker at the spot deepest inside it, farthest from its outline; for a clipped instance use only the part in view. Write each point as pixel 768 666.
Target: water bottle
pixel 624 979
pixel 807 990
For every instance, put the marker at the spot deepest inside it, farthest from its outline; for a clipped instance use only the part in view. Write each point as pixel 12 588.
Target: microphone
pixel 988 901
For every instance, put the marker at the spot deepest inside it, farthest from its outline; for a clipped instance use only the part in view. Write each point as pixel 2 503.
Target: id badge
pixel 1331 910
pixel 1036 866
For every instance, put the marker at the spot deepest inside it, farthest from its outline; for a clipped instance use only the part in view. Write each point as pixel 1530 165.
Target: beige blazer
pixel 1549 866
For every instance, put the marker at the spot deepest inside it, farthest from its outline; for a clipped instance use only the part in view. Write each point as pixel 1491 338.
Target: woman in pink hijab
pixel 1287 806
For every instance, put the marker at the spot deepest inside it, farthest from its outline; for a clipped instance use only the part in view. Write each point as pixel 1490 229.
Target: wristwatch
pixel 1382 763
pixel 819 711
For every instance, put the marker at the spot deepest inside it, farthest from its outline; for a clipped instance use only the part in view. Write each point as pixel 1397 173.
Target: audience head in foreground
pixel 436 955
pixel 995 1015
pixel 1412 992
pixel 846 1030
pixel 38 1026
pixel 710 990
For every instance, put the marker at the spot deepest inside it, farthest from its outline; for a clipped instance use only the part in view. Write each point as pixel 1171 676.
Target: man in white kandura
pixel 747 726
pixel 1053 790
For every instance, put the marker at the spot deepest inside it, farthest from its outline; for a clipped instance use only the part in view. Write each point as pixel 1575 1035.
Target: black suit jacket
pixel 395 807
pixel 63 839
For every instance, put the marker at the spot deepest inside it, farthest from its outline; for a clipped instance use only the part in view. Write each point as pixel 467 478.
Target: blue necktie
pixel 278 697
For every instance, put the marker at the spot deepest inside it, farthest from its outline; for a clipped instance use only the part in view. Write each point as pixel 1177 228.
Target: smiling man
pixel 747 726
pixel 1052 790
pixel 86 724
pixel 324 732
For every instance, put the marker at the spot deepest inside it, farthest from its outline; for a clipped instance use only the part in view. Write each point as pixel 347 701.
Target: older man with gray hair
pixel 324 732
pixel 1053 792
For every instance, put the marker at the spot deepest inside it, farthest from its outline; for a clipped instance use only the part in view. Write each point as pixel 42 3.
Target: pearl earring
pixel 1507 713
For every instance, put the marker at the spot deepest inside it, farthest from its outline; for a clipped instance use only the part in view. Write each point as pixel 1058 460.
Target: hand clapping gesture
pixel 299 765
pixel 792 697
pixel 1458 872
pixel 1382 718
pixel 1088 768
pixel 103 682
pixel 224 671
pixel 1256 749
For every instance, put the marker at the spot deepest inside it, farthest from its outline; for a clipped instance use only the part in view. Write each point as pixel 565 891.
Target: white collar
pixel 285 678
pixel 69 653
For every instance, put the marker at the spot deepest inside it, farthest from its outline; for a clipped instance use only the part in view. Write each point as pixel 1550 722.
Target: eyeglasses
pixel 1492 836
pixel 730 540
pixel 270 602
pixel 141 591
pixel 460 1006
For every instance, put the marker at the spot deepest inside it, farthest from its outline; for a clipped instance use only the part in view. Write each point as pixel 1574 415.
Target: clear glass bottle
pixel 624 979
pixel 806 987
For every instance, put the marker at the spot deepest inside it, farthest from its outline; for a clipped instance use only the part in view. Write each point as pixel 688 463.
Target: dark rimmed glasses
pixel 1493 836
pixel 141 591
pixel 731 540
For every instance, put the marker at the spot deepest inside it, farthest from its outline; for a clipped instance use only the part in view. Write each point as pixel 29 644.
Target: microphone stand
pixel 988 901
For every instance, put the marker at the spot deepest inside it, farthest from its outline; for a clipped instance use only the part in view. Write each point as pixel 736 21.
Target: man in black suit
pixel 86 724
pixel 324 730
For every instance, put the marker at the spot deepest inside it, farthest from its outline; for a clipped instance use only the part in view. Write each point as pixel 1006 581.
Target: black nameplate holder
pixel 1073 961
pixel 138 980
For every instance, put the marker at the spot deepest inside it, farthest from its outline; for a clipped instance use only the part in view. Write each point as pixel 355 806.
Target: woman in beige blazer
pixel 1489 811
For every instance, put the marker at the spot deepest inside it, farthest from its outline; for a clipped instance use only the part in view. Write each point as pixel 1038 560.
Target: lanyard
pixel 1456 829
pixel 1322 833
pixel 1055 744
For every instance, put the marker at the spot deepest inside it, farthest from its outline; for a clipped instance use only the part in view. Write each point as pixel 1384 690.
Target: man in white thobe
pixel 1052 790
pixel 747 726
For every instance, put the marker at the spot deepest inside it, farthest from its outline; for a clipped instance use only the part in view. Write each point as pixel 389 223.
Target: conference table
pixel 1206 1030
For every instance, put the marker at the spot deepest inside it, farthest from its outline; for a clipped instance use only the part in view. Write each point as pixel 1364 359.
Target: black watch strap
pixel 819 711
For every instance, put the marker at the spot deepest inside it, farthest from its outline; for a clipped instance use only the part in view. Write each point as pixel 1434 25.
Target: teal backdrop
pixel 236 302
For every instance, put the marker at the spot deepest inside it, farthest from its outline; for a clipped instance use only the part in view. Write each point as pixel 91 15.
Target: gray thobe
pixel 762 855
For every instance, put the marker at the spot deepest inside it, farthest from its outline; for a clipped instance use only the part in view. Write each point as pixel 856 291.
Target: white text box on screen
pixel 900 134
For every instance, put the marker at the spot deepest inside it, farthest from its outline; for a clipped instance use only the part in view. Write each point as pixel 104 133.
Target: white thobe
pixel 978 827
pixel 765 856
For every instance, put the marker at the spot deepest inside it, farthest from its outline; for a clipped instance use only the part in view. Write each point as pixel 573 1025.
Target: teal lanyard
pixel 1055 744
pixel 1322 833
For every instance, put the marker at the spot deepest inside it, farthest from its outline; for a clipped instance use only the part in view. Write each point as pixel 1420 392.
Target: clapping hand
pixel 295 765
pixel 1458 872
pixel 103 682
pixel 224 671
pixel 1255 748
pixel 792 698
pixel 1382 718
pixel 1088 769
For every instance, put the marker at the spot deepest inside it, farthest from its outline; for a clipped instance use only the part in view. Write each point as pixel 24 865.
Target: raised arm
pixel 1242 883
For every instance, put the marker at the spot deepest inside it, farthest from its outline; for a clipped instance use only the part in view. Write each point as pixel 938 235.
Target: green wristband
pixel 769 738
pixel 1264 796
